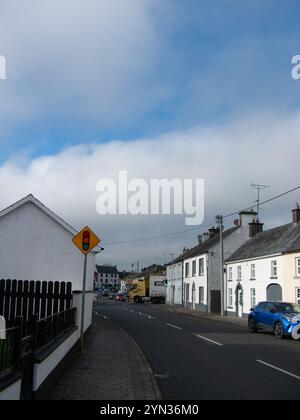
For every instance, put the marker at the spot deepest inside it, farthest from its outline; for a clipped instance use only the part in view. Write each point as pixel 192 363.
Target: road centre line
pixel 173 326
pixel 210 341
pixel 278 369
pixel 102 316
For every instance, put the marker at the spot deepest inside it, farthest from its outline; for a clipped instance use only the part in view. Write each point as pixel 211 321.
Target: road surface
pixel 201 359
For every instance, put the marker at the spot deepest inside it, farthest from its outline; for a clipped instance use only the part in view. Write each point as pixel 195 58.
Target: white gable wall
pixel 36 247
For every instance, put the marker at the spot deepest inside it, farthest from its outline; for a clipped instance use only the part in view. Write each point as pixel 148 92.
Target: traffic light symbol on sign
pixel 86 240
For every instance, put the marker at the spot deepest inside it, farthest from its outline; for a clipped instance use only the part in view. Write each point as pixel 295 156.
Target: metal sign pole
pixel 83 303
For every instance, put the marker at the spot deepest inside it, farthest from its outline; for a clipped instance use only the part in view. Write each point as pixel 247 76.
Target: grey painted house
pixel 200 281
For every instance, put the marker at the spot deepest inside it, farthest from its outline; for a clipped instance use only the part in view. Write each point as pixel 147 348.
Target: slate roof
pixel 280 240
pixel 107 269
pixel 204 247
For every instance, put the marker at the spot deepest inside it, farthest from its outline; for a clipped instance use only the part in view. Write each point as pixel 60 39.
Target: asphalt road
pixel 201 359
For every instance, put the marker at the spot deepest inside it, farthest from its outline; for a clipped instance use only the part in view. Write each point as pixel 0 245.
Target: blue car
pixel 283 319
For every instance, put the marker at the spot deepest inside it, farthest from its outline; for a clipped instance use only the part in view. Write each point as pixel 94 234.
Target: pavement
pixel 112 367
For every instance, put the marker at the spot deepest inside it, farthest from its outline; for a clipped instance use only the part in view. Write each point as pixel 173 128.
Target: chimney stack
pixel 296 214
pixel 255 227
pixel 213 231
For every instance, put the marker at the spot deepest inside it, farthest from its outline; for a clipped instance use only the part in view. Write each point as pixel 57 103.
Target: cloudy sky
pixel 162 89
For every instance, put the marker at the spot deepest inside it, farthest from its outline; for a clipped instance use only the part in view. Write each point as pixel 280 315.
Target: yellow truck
pixel 150 288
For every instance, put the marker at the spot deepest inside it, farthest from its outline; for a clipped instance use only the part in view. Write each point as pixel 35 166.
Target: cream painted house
pixel 265 268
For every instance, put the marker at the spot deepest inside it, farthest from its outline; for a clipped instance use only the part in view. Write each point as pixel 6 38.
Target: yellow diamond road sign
pixel 86 240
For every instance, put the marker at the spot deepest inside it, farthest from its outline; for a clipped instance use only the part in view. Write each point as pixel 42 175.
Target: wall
pixel 38 248
pixel 262 281
pixel 12 393
pixel 291 281
pixel 43 369
pixel 198 280
pixel 174 277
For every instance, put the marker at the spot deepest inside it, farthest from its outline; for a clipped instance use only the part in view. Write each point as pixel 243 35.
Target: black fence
pixel 9 349
pixel 20 298
pixel 38 315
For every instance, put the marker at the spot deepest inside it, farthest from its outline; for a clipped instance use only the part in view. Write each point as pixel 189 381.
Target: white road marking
pixel 279 370
pixel 103 316
pixel 210 341
pixel 173 326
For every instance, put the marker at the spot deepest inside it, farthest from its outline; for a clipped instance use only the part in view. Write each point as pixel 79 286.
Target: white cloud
pixel 91 60
pixel 261 148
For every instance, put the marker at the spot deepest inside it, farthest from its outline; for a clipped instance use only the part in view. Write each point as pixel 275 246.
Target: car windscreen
pixel 287 308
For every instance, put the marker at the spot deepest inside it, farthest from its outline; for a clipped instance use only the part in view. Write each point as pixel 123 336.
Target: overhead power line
pixel 165 235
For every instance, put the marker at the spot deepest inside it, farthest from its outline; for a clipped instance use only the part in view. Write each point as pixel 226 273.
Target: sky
pixel 168 89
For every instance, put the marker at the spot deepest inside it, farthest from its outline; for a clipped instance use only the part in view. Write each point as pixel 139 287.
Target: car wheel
pixel 136 299
pixel 279 331
pixel 252 325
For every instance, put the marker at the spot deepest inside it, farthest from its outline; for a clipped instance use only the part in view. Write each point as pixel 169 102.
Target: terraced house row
pixel 258 266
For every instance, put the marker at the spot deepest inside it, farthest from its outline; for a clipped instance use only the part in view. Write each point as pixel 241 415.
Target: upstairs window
pixel 187 269
pixel 274 269
pixel 201 267
pixel 253 271
pixel 239 272
pixel 194 268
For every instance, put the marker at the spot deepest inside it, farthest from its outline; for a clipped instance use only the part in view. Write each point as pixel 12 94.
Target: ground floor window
pixel 253 298
pixel 230 298
pixel 298 295
pixel 201 295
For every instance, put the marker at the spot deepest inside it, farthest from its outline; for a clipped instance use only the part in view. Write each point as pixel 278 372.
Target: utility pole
pixel 172 277
pixel 220 223
pixel 259 188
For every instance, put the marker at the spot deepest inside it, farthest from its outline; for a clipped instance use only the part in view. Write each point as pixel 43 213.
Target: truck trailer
pixel 150 288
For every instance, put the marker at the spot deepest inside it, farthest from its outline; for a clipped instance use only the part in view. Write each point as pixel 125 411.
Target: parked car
pixel 120 297
pixel 283 319
pixel 112 295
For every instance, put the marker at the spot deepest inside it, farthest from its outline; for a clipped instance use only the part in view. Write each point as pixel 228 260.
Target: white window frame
pixel 239 272
pixel 187 269
pixel 298 295
pixel 274 269
pixel 253 297
pixel 253 271
pixel 194 268
pixel 230 274
pixel 230 298
pixel 201 267
pixel 201 288
pixel 298 267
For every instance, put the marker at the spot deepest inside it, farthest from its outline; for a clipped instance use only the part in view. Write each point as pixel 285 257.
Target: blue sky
pixel 206 63
pixel 173 88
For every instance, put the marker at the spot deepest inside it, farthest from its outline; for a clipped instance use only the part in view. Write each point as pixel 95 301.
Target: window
pixel 297 267
pixel 201 267
pixel 274 269
pixel 201 295
pixel 298 295
pixel 194 268
pixel 239 272
pixel 253 298
pixel 187 269
pixel 253 271
pixel 230 298
pixel 230 274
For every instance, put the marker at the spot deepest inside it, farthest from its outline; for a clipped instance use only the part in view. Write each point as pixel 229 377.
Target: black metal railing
pixel 9 349
pixel 50 329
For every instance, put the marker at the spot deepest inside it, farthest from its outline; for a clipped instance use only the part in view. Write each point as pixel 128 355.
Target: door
pixel 239 301
pixel 274 293
pixel 193 297
pixel 187 294
pixel 173 295
pixel 215 302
